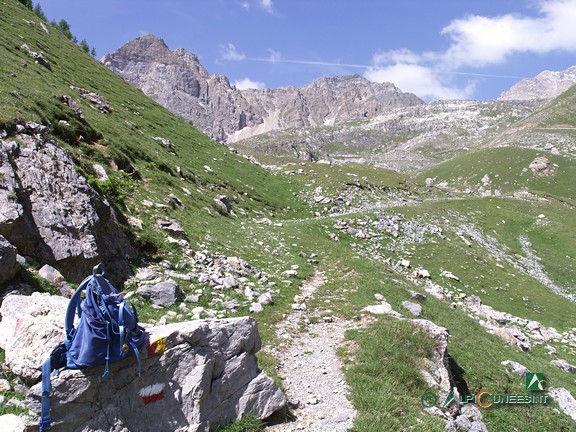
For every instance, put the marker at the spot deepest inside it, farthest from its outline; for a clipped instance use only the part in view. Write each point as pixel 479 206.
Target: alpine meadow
pixel 393 265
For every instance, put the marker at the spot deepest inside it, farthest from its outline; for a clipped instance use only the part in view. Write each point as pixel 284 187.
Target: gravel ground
pixel 311 371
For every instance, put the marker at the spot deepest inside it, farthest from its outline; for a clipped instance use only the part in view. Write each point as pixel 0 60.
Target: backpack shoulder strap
pixel 74 304
pixel 74 307
pixel 45 419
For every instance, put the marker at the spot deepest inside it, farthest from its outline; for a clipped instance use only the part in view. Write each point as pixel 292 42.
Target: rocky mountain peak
pixel 546 85
pixel 148 50
pixel 144 48
pixel 177 80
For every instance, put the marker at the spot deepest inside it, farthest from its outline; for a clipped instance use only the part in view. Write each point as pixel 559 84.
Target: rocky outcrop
pixel 37 57
pixel 51 214
pixel 541 166
pixel 196 375
pixel 8 263
pixel 178 81
pixel 31 326
pixel 546 85
pixel 438 375
pixel 400 138
pixel 326 101
pixel 12 423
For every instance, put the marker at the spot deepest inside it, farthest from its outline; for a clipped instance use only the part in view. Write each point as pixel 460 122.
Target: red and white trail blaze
pixel 152 393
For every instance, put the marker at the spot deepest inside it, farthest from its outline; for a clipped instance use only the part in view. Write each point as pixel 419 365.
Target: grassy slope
pixel 508 220
pixel 125 136
pixel 508 169
pixel 554 124
pixel 383 368
pixel 383 361
pixel 558 113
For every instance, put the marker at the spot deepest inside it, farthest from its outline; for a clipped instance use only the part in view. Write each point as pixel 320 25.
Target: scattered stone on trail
pixel 172 226
pixel 449 275
pixel 51 274
pixel 163 294
pixel 223 202
pixel 517 368
pixel 384 308
pixel 513 336
pixel 414 308
pixel 422 274
pixel 37 57
pixel 565 401
pixel 311 369
pixel 541 166
pixel 564 365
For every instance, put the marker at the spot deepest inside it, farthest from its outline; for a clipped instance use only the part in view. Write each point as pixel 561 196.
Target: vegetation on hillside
pixel 61 25
pixel 150 154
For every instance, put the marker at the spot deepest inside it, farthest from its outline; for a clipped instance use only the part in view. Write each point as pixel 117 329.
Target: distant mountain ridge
pixel 545 85
pixel 177 80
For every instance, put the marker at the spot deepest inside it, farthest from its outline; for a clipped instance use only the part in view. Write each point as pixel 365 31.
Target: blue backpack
pixel 107 332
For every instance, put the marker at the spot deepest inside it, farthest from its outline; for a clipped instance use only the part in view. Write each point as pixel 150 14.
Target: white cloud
pixel 263 4
pixel 476 42
pixel 247 83
pixel 266 5
pixel 396 56
pixel 229 52
pixel 481 41
pixel 421 80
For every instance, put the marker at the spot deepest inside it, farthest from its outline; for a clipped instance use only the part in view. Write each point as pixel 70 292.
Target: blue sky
pixel 437 49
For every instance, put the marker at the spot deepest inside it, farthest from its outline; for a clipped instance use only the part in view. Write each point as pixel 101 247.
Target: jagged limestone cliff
pixel 177 80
